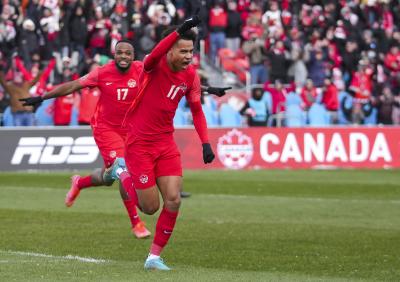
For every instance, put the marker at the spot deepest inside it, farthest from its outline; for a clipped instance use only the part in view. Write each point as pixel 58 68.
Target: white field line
pixel 67 257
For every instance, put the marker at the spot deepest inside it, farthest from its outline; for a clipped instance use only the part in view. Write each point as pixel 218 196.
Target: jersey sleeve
pixel 194 94
pixel 151 60
pixel 91 79
pixel 194 100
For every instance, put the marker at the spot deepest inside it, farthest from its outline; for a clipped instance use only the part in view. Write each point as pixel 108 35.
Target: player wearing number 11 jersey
pixel 151 154
pixel 118 85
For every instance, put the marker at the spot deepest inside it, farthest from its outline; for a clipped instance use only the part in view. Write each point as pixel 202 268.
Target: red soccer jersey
pixel 63 110
pixel 162 91
pixel 117 89
pixel 87 107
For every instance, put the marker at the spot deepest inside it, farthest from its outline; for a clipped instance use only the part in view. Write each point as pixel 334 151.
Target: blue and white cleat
pixel 111 174
pixel 155 264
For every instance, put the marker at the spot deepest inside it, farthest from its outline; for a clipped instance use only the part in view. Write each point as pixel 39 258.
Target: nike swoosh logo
pixel 167 232
pixel 108 83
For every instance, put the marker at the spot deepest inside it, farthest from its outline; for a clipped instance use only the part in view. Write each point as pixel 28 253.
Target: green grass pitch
pixel 276 225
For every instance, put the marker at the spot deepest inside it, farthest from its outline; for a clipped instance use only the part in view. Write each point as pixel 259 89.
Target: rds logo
pixel 56 150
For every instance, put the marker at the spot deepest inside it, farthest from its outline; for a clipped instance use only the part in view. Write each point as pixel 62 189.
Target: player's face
pixel 123 55
pixel 181 54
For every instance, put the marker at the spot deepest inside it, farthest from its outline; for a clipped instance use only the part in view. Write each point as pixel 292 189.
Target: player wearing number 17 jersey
pixel 151 154
pixel 118 85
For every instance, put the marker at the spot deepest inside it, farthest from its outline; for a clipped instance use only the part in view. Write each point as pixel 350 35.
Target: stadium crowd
pixel 311 62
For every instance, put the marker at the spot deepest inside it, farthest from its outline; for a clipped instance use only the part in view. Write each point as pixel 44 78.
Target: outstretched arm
pixel 199 120
pixel 89 80
pixel 61 90
pixel 20 66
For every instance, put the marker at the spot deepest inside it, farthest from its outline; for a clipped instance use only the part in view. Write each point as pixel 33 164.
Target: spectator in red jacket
pixel 392 59
pixel 308 94
pixel 330 96
pixel 218 21
pixel 278 94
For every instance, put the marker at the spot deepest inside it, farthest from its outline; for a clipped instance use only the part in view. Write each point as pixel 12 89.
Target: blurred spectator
pixel 256 108
pixel 278 94
pixel 161 8
pixel 7 35
pixel 385 103
pixel 28 41
pixel 272 17
pixel 253 25
pixel 350 57
pixel 361 89
pixel 50 26
pixel 298 70
pixel 361 83
pixel 18 89
pixel 78 31
pixel 308 94
pixel 218 21
pixel 99 29
pixel 66 67
pixel 279 61
pixel 317 67
pixel 330 96
pixel 233 28
pixel 255 50
pixel 63 110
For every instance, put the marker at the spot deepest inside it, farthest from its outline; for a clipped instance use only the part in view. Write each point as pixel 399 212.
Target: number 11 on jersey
pixel 122 93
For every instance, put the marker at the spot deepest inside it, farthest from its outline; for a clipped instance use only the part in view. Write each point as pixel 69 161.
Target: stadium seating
pixel 229 117
pixel 348 105
pixel 180 118
pixel 372 119
pixel 74 117
pixel 318 115
pixel 293 99
pixel 44 114
pixel 294 116
pixel 268 100
pixel 234 62
pixel 211 116
pixel 8 119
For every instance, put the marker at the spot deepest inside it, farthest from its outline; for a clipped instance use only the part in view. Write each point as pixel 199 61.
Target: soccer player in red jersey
pixel 151 154
pixel 118 85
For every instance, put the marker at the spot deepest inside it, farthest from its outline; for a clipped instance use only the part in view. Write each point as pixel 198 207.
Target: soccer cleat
pixel 107 175
pixel 141 231
pixel 155 264
pixel 110 173
pixel 73 191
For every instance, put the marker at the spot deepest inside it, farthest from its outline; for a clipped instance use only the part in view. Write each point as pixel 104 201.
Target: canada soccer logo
pixel 143 178
pixel 113 154
pixel 183 87
pixel 131 83
pixel 235 149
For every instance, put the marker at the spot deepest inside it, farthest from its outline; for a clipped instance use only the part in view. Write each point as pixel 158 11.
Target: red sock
pixel 127 184
pixel 165 226
pixel 85 182
pixel 132 212
pixel 130 205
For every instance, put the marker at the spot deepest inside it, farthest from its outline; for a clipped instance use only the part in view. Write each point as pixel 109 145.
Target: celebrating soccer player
pixel 152 156
pixel 118 84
